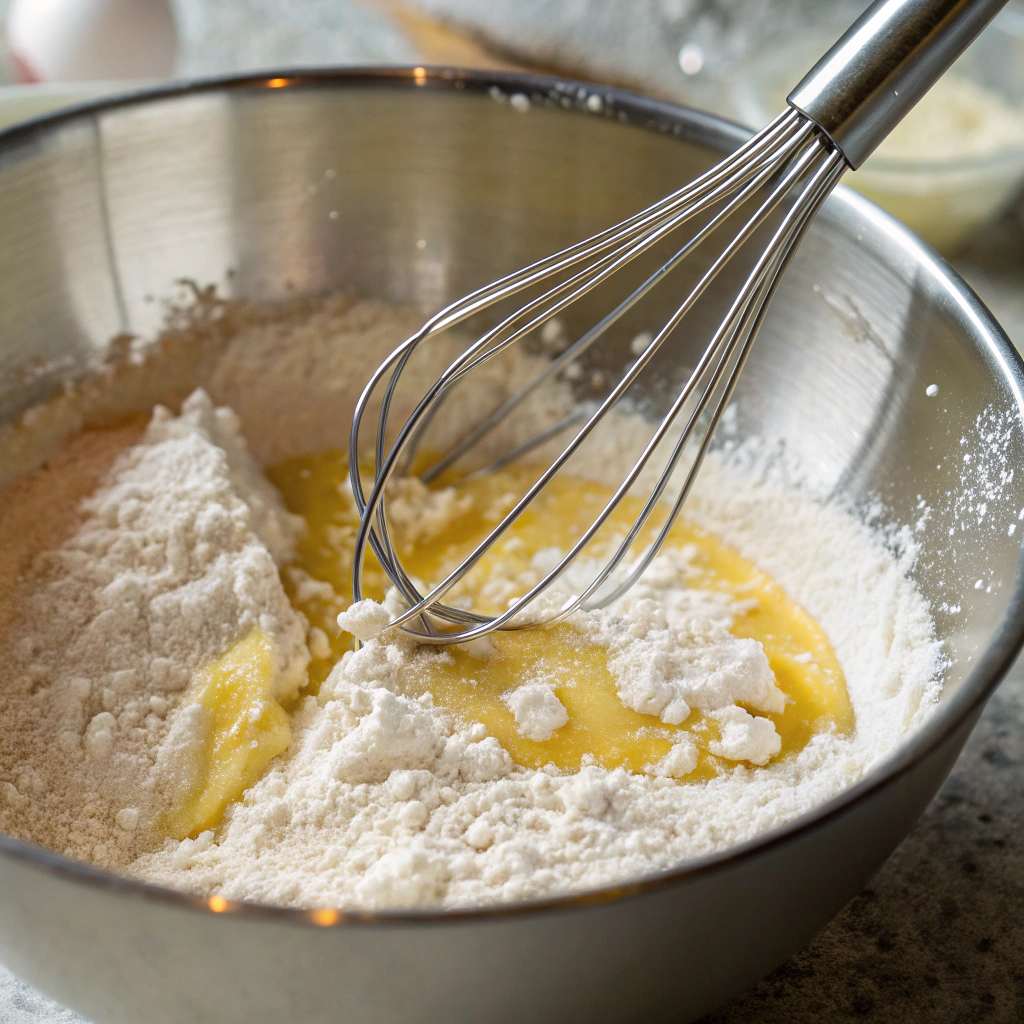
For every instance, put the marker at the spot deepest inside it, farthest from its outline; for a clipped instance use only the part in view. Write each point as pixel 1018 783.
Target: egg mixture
pixel 600 729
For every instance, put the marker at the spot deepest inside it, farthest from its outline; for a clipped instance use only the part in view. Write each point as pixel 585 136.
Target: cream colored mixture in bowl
pixel 184 702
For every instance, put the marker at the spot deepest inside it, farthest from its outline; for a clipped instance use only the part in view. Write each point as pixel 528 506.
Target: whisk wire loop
pixel 659 221
pixel 837 115
pixel 745 307
pixel 786 152
pixel 750 181
pixel 754 311
pixel 783 129
pixel 462 309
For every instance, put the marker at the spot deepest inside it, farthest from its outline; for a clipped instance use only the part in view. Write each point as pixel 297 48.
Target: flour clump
pixel 172 560
pixel 670 648
pixel 538 710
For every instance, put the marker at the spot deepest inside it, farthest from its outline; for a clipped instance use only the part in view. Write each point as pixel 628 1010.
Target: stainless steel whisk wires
pixel 838 114
pixel 736 179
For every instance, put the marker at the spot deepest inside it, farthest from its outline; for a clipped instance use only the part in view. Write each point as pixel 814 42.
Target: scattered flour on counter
pixel 172 561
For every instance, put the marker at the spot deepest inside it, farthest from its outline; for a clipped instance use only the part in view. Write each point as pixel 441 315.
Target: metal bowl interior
pixel 311 183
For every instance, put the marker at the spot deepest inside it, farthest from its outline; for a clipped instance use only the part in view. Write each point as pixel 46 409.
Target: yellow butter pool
pixel 601 729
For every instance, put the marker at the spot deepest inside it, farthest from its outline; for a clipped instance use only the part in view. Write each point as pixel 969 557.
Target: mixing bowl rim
pixel 682 122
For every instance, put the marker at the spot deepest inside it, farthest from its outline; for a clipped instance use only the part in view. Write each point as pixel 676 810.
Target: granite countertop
pixel 938 935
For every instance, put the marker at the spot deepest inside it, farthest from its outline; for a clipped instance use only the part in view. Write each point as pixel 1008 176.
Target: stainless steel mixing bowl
pixel 235 182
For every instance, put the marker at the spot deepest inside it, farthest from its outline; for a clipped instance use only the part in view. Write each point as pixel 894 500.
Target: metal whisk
pixel 837 116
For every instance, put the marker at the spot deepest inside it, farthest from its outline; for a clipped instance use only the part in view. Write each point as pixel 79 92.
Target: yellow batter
pixel 600 726
pixel 248 728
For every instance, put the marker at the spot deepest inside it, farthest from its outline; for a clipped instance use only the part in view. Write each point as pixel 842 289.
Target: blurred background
pixel 954 171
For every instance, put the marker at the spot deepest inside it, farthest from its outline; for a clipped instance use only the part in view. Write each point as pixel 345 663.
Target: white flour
pixel 538 712
pixel 173 561
pixel 670 649
pixel 382 800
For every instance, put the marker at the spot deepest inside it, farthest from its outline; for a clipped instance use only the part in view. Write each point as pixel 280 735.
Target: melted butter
pixel 600 729
pixel 245 730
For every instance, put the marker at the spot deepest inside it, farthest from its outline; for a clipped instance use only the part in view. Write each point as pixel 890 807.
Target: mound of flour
pixel 174 557
pixel 385 801
pixel 382 799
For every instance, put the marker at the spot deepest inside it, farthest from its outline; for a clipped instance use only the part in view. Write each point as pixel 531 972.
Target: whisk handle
pixel 885 62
